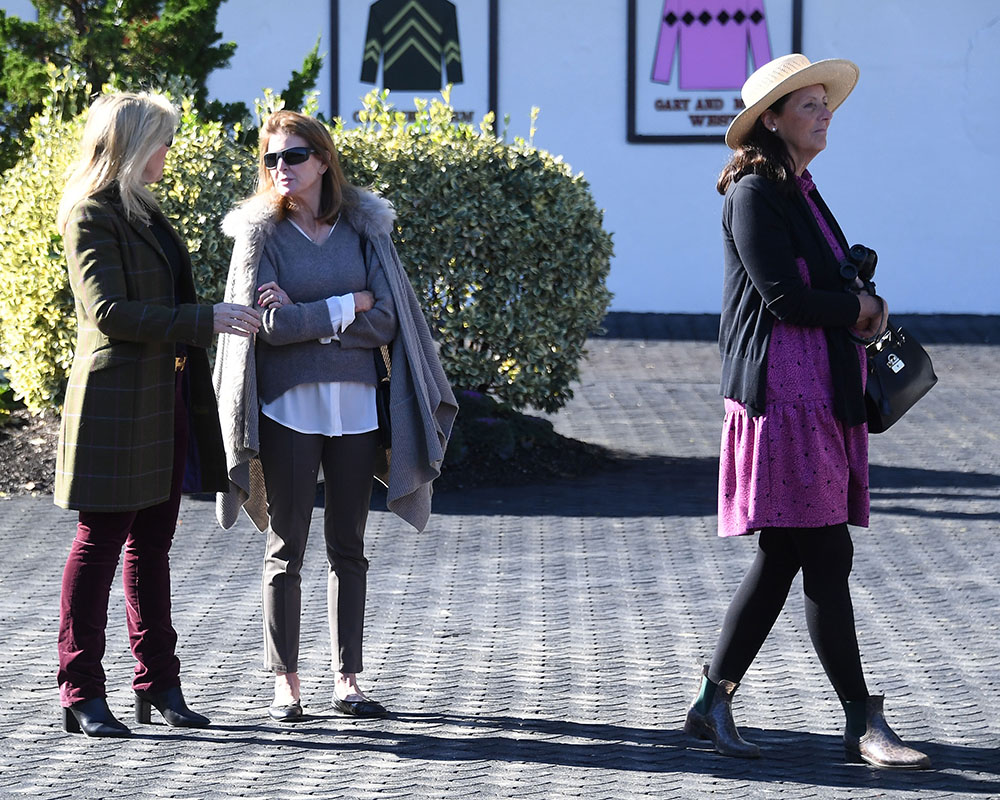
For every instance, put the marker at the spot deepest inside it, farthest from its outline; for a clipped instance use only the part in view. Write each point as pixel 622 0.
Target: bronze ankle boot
pixel 880 746
pixel 717 724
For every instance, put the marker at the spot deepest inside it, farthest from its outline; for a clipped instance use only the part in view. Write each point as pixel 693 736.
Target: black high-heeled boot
pixel 170 703
pixel 94 718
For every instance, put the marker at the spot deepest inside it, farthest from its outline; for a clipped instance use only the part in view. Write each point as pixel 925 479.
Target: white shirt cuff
pixel 346 310
pixel 341 315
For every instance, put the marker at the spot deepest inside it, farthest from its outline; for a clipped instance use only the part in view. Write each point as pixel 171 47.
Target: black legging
pixel 825 556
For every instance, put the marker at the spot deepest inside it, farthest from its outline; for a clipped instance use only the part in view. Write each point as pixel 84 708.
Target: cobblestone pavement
pixel 544 642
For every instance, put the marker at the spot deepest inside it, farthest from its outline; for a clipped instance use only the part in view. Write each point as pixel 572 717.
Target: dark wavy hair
pixel 762 152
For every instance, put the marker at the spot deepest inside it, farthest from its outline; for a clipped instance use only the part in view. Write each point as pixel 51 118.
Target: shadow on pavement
pixel 667 486
pixel 632 486
pixel 889 477
pixel 907 490
pixel 637 486
pixel 787 756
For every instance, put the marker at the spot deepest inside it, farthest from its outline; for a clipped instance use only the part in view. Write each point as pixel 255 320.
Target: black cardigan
pixel 764 231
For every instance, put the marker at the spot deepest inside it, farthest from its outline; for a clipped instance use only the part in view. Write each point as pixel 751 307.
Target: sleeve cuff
pixel 341 315
pixel 346 310
pixel 333 309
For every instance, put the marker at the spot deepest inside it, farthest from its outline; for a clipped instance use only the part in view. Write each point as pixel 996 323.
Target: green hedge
pixel 37 323
pixel 503 243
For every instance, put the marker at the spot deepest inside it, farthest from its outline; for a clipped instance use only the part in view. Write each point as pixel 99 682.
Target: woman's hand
pixel 236 319
pixel 270 295
pixel 363 301
pixel 874 316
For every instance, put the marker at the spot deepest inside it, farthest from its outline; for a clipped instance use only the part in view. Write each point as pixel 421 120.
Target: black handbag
pixel 383 373
pixel 899 374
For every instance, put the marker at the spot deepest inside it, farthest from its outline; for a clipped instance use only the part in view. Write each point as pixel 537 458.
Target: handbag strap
pixel 387 360
pixel 879 395
pixel 876 390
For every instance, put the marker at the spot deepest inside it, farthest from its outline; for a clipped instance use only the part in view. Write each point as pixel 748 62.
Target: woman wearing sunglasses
pixel 139 422
pixel 315 254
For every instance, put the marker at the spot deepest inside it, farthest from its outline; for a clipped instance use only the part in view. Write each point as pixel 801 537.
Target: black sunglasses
pixel 291 156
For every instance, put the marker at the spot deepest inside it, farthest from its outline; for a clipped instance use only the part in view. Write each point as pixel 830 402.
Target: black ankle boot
pixel 94 718
pixel 170 703
pixel 716 722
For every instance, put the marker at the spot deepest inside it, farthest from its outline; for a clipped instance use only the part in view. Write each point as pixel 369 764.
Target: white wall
pixel 918 149
pixel 659 200
pixel 911 153
pixel 272 40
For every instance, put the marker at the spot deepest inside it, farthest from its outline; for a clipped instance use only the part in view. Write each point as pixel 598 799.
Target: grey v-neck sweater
pixel 288 349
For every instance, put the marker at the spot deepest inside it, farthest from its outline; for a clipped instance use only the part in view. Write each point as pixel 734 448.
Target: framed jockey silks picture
pixel 688 60
pixel 415 48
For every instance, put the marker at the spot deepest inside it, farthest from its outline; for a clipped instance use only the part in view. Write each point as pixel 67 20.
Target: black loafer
pixel 359 708
pixel 94 718
pixel 290 713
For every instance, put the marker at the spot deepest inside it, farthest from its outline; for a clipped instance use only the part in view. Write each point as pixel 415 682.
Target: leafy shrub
pixel 207 172
pixel 493 444
pixel 7 402
pixel 36 305
pixel 493 429
pixel 503 244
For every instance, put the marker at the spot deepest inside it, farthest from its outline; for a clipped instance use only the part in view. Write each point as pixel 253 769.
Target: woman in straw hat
pixel 794 457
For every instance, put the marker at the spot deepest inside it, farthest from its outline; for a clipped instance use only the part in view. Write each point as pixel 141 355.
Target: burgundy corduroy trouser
pixel 93 558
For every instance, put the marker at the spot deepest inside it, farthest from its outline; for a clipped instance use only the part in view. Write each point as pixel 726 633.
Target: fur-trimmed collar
pixel 368 213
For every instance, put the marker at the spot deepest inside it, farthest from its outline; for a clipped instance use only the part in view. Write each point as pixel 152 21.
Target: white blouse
pixel 328 408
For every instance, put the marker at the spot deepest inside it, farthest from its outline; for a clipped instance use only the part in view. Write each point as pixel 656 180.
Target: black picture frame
pixel 493 45
pixel 633 134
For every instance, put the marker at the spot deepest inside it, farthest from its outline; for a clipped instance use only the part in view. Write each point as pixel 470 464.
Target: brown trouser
pixel 291 462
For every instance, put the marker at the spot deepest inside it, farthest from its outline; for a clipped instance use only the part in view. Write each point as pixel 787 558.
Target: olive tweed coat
pixel 116 442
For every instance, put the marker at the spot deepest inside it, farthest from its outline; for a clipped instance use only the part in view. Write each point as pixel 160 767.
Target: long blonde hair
pixel 123 131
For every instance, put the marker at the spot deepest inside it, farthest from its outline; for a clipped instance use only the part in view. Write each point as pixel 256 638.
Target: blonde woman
pixel 139 420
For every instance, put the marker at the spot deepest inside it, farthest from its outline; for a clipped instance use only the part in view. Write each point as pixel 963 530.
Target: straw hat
pixel 783 76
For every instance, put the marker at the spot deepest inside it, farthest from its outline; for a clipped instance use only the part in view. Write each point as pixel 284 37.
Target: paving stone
pixel 544 641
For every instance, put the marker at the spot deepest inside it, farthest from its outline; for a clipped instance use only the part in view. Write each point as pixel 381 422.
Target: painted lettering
pixel 711 120
pixel 411 116
pixel 672 103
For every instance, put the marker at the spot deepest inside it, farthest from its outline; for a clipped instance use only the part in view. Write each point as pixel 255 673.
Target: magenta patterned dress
pixel 796 466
